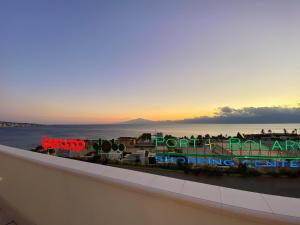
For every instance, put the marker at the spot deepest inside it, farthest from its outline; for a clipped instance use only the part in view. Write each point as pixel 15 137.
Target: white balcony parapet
pixel 46 190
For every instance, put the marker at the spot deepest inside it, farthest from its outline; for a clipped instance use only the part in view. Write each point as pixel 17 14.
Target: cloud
pixel 226 109
pixel 276 114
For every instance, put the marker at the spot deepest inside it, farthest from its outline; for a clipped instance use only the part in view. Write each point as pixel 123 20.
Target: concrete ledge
pixel 58 184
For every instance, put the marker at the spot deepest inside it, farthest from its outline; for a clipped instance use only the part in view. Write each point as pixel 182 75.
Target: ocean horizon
pixel 29 137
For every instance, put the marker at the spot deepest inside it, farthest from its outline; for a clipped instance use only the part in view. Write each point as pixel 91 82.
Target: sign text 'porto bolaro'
pixel 234 144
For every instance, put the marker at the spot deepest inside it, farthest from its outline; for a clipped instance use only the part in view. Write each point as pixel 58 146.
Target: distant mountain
pixel 138 121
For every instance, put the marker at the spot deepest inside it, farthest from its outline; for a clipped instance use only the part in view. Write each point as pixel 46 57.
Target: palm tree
pixel 122 147
pixel 96 148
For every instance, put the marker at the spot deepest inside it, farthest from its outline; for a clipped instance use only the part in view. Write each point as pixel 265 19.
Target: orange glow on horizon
pixel 95 118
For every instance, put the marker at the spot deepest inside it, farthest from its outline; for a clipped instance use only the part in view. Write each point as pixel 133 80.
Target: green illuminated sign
pixel 233 144
pixel 229 148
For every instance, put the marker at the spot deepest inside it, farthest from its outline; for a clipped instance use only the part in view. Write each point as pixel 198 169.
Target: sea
pixel 29 137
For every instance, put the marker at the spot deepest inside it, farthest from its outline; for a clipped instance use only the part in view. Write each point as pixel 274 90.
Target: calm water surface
pixel 30 137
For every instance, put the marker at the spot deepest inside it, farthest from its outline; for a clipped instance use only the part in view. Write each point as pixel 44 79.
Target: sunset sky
pixel 110 61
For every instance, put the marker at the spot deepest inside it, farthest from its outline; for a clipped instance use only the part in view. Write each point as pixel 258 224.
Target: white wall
pixel 50 190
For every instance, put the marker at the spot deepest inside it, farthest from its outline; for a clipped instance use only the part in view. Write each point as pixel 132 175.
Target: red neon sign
pixel 70 144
